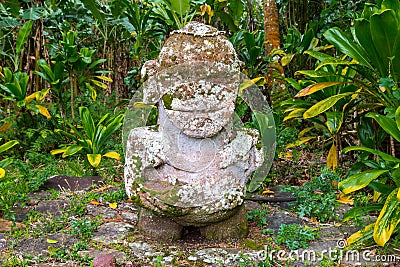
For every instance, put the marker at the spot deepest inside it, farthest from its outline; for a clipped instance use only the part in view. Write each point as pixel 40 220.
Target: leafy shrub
pixel 317 198
pixel 295 236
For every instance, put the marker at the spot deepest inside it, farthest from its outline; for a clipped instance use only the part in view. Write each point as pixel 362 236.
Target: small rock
pixel 33 202
pixel 70 183
pixel 53 207
pixel 192 258
pixel 104 260
pixel 129 216
pixel 252 205
pixel 106 212
pixel 112 232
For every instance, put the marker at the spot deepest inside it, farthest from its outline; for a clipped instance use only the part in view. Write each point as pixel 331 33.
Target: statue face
pixel 199 109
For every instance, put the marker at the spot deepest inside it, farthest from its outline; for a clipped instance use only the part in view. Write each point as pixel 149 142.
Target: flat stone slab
pixel 39 246
pixel 53 207
pixel 72 183
pixel 276 219
pixel 105 212
pixel 113 232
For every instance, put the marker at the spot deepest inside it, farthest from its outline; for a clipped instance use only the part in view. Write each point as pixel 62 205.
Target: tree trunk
pixel 276 89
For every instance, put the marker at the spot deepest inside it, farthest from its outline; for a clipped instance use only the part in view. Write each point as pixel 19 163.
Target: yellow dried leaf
pixel 94 202
pixel 113 205
pixel 345 199
pixel 51 241
pixel 2 172
pixel 113 155
pixel 332 160
pixel 267 191
pixel 43 111
pixel 286 155
pixel 5 127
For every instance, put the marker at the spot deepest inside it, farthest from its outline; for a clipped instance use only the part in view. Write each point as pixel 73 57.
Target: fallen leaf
pixel 51 241
pixel 345 200
pixel 267 191
pixel 113 205
pixel 94 202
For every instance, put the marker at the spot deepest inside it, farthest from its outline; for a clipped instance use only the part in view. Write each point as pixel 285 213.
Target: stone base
pixel 234 227
pixel 164 228
pixel 157 226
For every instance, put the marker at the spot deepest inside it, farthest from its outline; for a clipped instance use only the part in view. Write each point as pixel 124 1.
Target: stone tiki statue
pixel 191 168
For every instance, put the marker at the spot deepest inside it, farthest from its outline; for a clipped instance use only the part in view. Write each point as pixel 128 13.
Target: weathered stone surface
pixel 120 256
pixel 113 232
pixel 105 212
pixel 252 205
pixel 53 207
pixel 234 227
pixel 226 256
pixel 191 169
pixel 158 226
pixel 38 247
pixel 71 183
pixel 104 260
pixel 274 220
pixel 143 250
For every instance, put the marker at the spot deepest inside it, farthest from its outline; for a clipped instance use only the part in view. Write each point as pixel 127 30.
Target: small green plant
pixel 258 216
pixel 317 198
pixel 295 236
pixel 83 228
pixel 93 139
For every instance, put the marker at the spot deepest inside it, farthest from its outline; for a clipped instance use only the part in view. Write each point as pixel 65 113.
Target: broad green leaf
pixel 286 59
pixel 87 122
pixel 332 160
pixel 387 124
pixel 22 37
pixel 381 154
pixel 44 111
pixel 384 31
pixel 357 212
pixel 362 31
pixel 296 113
pixel 8 145
pixel 94 159
pixel 358 181
pixel 315 88
pixel 33 13
pixel 180 6
pixel 340 40
pixel 72 150
pixel 388 219
pixel 362 236
pixel 94 9
pixel 113 155
pixel 300 141
pixel 397 117
pixel 324 105
pixel 334 121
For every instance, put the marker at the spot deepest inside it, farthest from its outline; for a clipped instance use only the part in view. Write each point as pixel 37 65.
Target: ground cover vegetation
pixel 329 69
